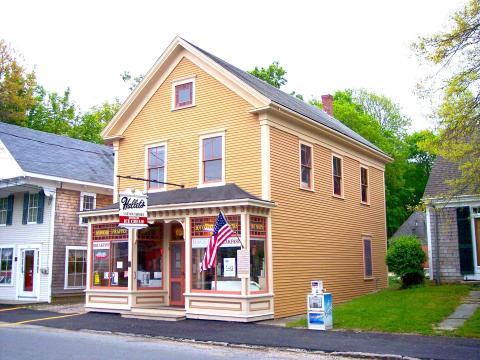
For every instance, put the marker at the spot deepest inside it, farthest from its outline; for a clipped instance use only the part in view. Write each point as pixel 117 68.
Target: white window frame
pixel 368 184
pixel 165 167
pixel 182 81
pixel 82 194
pixel 342 196
pixel 10 246
pixel 6 211
pixel 312 172
pixel 67 249
pixel 201 183
pixel 29 207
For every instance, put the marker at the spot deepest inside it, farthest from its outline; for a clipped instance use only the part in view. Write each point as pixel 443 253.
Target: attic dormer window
pixel 183 93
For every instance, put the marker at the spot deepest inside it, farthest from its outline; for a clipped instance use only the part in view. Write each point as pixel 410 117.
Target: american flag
pixel 221 232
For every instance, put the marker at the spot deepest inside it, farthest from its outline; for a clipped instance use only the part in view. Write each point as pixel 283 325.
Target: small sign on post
pixel 243 263
pixel 132 210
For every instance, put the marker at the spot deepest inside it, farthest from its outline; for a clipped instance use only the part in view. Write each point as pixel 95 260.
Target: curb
pixel 357 355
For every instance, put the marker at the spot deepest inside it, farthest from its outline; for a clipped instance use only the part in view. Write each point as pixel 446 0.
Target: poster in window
pixel 115 278
pixel 229 267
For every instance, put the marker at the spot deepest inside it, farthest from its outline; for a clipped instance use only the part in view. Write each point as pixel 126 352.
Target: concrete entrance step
pixel 163 313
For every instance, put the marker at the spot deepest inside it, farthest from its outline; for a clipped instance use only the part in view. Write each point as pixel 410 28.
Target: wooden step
pixel 163 314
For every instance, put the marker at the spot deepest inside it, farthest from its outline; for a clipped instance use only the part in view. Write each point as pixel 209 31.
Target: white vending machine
pixel 319 306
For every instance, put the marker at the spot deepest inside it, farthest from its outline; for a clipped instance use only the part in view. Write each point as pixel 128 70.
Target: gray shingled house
pixel 45 179
pixel 453 226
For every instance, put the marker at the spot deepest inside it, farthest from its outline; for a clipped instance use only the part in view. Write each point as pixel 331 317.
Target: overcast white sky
pixel 323 45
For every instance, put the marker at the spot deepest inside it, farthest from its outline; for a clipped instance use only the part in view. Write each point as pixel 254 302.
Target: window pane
pixel 201 280
pixel 364 194
pixel 258 270
pixel 337 185
pixel 306 154
pixel 100 267
pixel 150 257
pixel 183 94
pixel 337 166
pixel 367 251
pixel 306 176
pixel 6 261
pixel 119 265
pixel 213 170
pixel 156 156
pixel 212 148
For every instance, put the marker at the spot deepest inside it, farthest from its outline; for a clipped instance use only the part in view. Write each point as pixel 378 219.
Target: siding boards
pixel 317 236
pixel 68 232
pixel 217 107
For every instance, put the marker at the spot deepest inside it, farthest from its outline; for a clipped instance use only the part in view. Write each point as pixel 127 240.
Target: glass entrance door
pixel 177 273
pixel 29 272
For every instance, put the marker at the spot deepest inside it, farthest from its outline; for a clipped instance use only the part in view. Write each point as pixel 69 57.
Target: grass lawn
pixel 414 310
pixel 471 328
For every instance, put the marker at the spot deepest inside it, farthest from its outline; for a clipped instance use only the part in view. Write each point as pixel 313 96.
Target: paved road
pixel 424 347
pixel 40 343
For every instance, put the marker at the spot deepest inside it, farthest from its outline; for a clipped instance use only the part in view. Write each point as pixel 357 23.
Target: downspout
pixel 437 248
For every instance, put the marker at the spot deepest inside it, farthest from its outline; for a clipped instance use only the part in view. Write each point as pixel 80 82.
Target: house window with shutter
pixel 32 208
pixel 367 258
pixel 3 211
pixel 33 205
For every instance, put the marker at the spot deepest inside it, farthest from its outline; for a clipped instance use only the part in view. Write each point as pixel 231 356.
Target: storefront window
pixel 258 250
pixel 109 256
pixel 223 277
pixel 150 257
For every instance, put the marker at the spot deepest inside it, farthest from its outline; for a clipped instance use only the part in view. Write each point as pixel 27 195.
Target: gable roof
pixel 258 92
pixel 43 153
pixel 442 171
pixel 291 102
pixel 414 225
pixel 196 195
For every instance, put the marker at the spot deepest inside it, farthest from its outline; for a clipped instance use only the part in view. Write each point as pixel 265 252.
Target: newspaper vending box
pixel 319 305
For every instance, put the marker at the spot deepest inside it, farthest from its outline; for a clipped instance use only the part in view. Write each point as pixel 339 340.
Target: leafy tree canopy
pixel 16 87
pixel 274 74
pixel 454 55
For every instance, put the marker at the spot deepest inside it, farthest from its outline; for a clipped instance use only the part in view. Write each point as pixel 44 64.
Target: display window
pixel 258 254
pixel 223 276
pixel 109 256
pixel 150 258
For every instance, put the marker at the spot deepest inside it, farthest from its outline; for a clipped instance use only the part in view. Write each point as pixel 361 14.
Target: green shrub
pixel 405 257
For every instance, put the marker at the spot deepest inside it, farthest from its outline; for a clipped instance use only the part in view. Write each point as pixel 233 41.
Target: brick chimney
pixel 327 102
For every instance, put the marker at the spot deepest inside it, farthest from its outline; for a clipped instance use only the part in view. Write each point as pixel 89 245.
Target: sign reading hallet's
pixel 132 209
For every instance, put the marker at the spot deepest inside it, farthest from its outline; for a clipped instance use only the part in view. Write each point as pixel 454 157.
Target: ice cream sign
pixel 132 209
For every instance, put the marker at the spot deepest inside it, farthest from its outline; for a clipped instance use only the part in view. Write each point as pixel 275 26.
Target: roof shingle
pixel 60 156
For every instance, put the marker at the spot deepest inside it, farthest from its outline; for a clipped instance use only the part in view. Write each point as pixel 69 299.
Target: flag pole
pixel 240 241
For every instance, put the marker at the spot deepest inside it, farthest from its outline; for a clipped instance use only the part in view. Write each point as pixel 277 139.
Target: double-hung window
pixel 337 172
pixel 156 167
pixel 364 184
pixel 32 208
pixel 75 267
pixel 6 265
pixel 212 159
pixel 3 210
pixel 306 166
pixel 87 203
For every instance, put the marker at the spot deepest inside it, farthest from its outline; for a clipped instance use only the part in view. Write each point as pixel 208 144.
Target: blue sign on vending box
pixel 315 318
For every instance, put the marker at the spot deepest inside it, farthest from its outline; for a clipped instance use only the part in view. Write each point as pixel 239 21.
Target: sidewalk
pixel 463 312
pixel 340 342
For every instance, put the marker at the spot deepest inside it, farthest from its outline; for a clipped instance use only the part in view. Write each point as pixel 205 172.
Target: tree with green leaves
pixel 384 110
pixel 274 74
pixel 131 81
pixel 89 125
pixel 454 55
pixel 16 88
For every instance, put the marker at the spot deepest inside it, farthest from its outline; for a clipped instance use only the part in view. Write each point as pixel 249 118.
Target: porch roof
pixel 226 192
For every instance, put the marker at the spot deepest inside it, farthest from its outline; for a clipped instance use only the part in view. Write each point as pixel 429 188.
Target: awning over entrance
pixel 215 196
